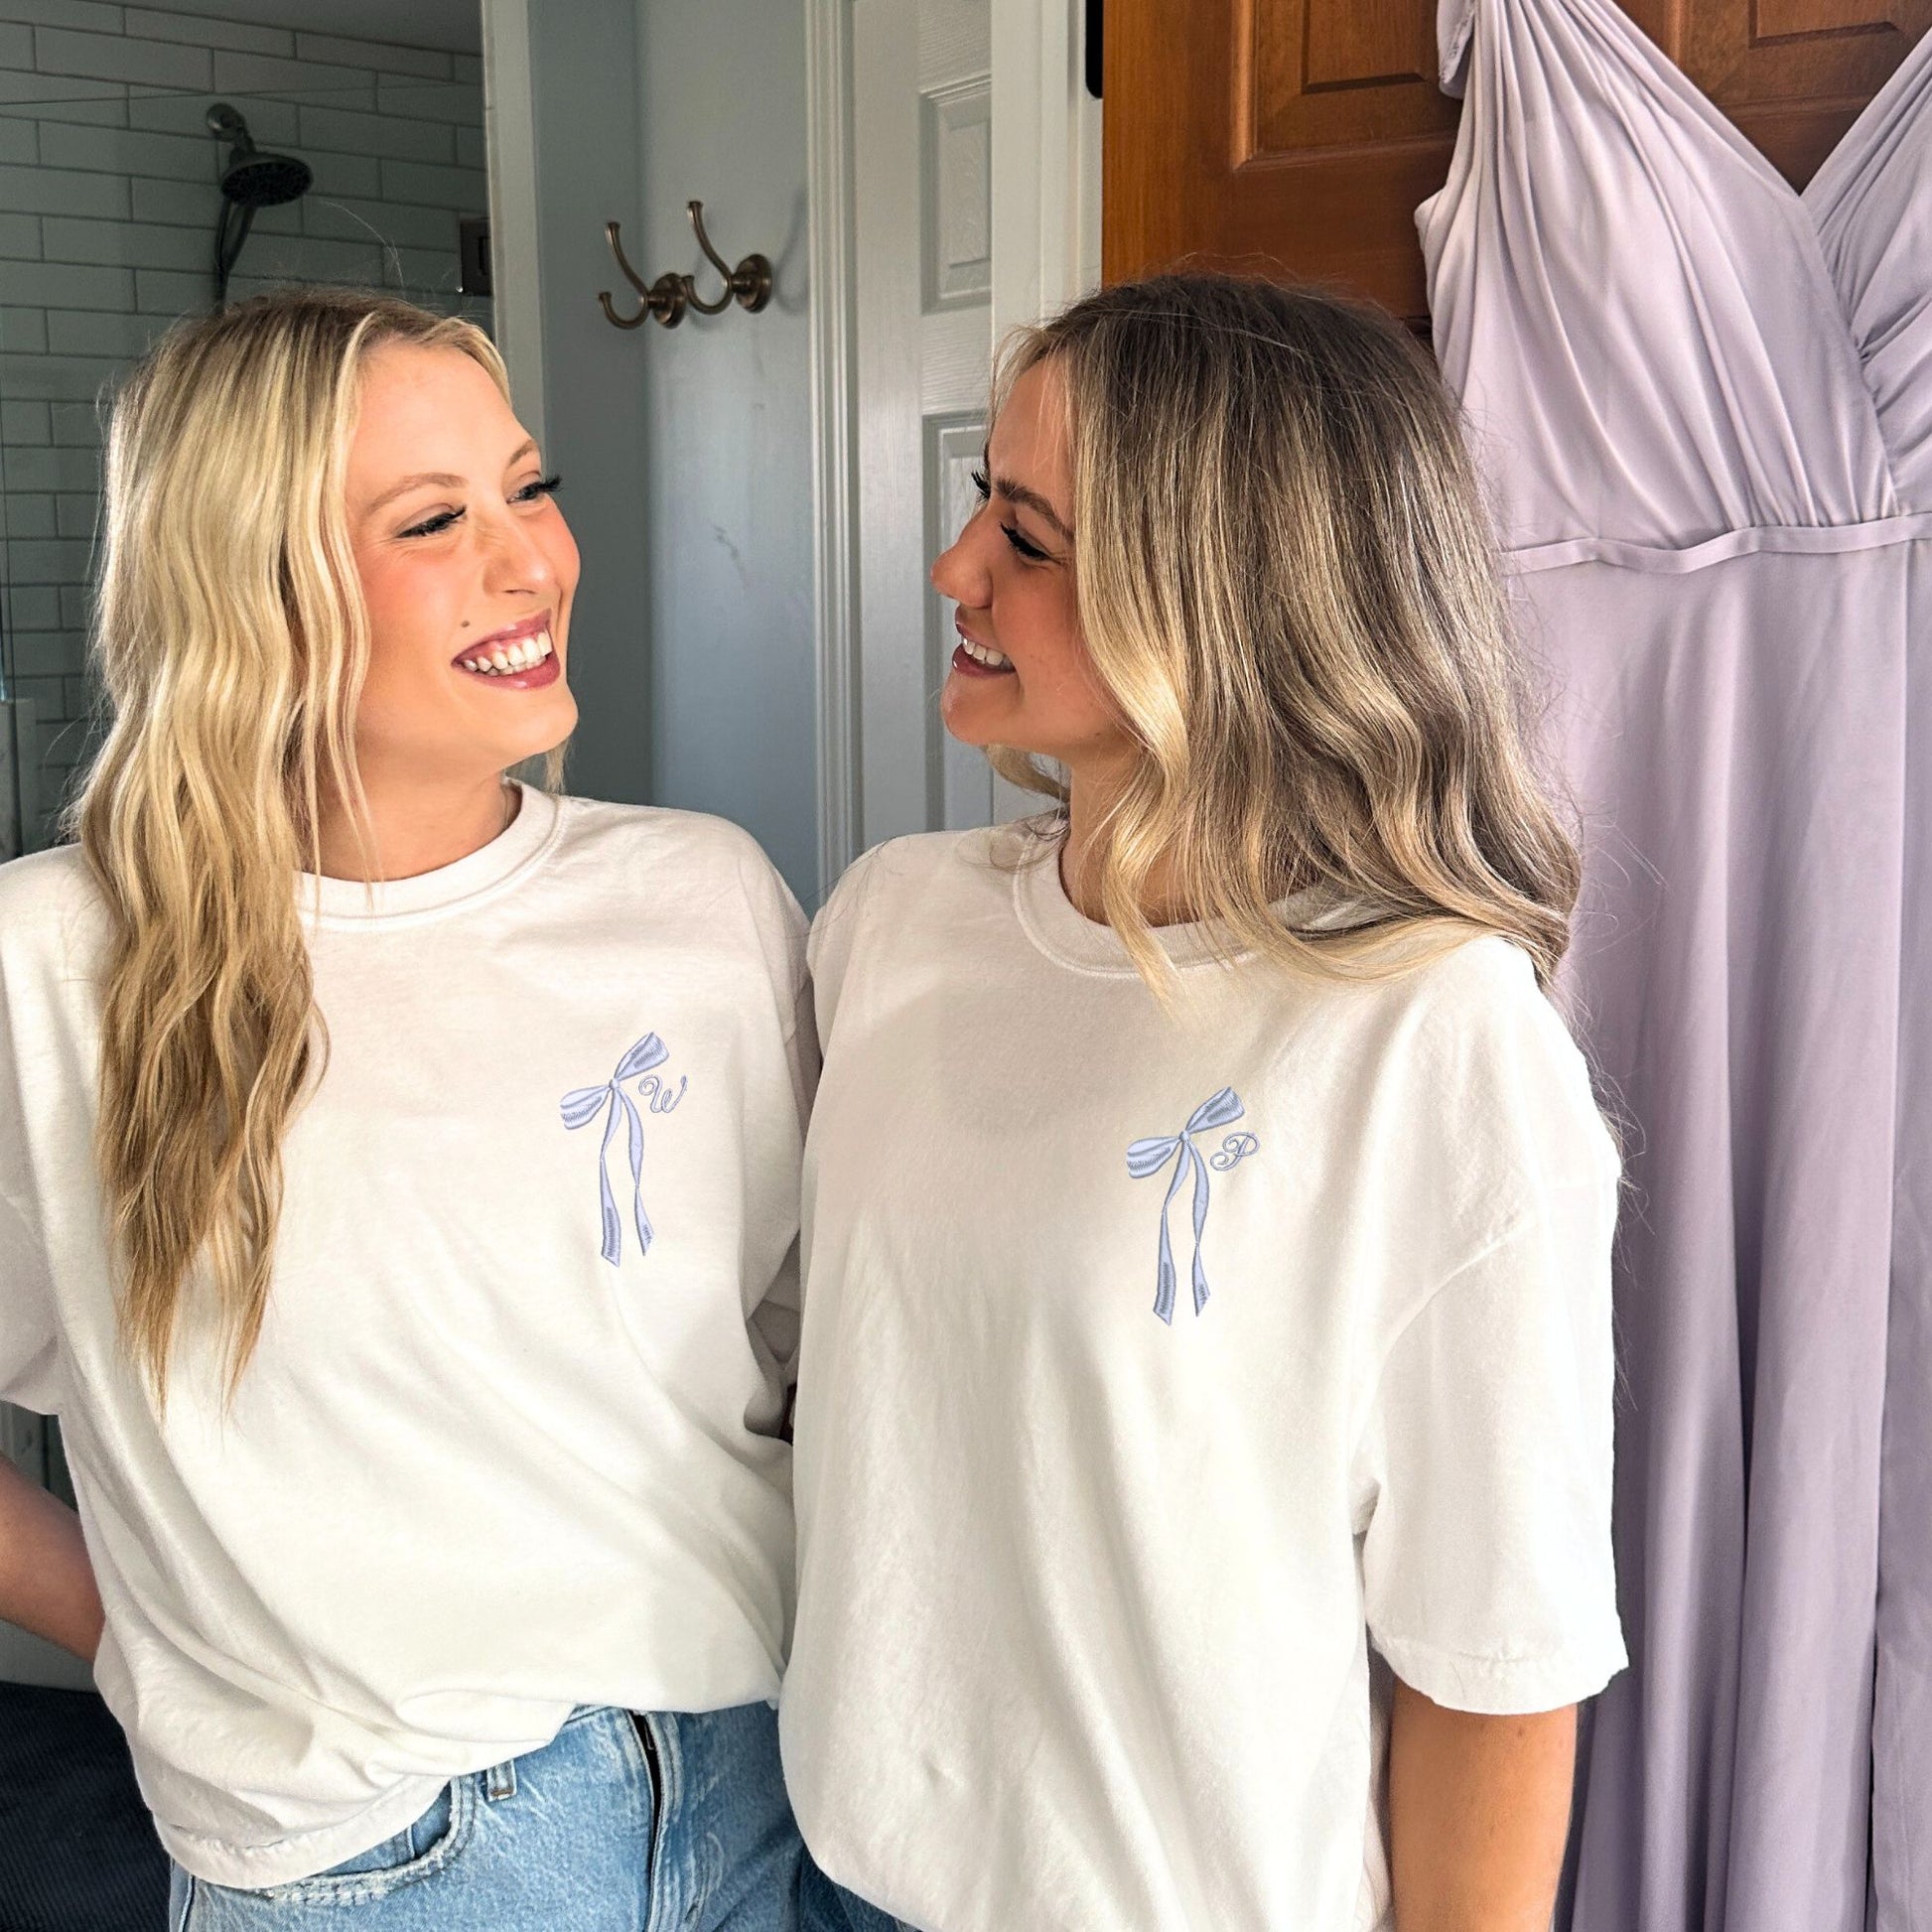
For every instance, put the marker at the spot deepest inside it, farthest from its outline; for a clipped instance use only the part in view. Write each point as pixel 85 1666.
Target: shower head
pixel 265 180
pixel 252 178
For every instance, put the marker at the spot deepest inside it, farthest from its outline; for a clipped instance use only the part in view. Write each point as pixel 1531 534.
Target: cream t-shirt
pixel 511 1439
pixel 1167 1376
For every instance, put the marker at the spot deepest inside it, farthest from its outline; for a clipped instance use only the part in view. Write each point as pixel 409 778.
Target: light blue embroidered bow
pixel 1149 1156
pixel 583 1105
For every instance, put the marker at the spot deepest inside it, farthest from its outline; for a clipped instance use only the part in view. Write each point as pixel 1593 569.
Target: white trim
pixel 1045 160
pixel 829 257
pixel 511 145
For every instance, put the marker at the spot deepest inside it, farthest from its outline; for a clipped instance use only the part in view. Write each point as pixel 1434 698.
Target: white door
pixel 974 159
pixel 922 258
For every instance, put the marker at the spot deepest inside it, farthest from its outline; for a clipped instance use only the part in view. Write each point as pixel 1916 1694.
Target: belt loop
pixel 500 1781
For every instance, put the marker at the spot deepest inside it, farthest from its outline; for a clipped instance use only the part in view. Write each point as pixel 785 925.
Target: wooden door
pixel 1298 136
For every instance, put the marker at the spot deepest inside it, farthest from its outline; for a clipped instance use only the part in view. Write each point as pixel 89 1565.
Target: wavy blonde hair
pixel 232 639
pixel 1287 583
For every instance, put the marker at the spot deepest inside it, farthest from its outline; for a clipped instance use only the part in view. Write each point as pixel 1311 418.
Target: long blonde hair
pixel 231 641
pixel 1287 583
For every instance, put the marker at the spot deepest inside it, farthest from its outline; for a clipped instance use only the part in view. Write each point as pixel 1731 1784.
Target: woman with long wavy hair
pixel 1204 1422
pixel 397 1187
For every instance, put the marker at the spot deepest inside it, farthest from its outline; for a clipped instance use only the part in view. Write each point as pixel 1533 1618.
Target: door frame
pixel 1045 215
pixel 510 151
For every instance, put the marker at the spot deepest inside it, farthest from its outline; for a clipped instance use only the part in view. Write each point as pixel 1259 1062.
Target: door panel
pixel 1298 136
pixel 923 211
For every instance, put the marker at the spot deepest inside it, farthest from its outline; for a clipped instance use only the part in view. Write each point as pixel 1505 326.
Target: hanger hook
pixel 663 298
pixel 749 284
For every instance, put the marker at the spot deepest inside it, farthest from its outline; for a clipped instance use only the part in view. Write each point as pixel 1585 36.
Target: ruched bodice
pixel 1870 205
pixel 1628 291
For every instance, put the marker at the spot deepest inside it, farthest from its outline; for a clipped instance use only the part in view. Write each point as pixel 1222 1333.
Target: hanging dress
pixel 1714 563
pixel 1872 202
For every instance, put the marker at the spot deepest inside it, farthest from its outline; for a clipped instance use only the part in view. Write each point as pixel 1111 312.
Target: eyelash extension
pixel 1032 553
pixel 435 525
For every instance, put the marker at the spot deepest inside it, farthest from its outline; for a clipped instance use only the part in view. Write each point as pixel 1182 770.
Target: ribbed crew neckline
pixel 476 876
pixel 1059 929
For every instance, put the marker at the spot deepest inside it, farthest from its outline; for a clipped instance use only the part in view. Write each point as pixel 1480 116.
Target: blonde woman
pixel 398 1188
pixel 1204 1444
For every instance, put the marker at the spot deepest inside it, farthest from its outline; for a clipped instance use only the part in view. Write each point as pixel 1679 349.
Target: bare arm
pixel 1479 1811
pixel 47 1585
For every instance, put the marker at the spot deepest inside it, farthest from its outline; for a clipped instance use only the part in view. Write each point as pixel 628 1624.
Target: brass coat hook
pixel 667 298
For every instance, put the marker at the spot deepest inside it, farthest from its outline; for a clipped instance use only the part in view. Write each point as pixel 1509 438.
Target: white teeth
pixel 984 654
pixel 506 659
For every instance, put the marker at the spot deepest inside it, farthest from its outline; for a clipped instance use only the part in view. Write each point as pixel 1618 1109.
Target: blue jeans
pixel 827 1908
pixel 617 1825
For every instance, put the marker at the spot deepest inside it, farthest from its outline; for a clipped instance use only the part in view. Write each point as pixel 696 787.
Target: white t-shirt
pixel 511 1441
pixel 1156 1367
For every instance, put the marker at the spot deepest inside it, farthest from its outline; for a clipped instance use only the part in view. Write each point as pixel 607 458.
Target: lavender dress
pixel 1698 398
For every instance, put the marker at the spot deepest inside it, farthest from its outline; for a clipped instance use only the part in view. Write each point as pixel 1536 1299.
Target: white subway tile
pixel 76 424
pixel 97 331
pixel 173 292
pixel 50 653
pixel 271 122
pixel 22 424
pixel 350 218
pixel 58 190
pixel 54 97
pixel 346 174
pixel 103 57
pixel 37 608
pixel 23 332
pixel 131 244
pixel 246 74
pixel 27 517
pixel 53 559
pixel 69 285
pixel 460 103
pixel 428 62
pixel 84 14
pixel 200 31
pixel 123 151
pixel 345 131
pixel 56 378
pixel 460 189
pixel 178 202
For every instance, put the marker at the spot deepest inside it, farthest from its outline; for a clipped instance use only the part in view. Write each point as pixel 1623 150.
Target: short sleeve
pixel 28 1349
pixel 834 935
pixel 776 1318
pixel 1482 1474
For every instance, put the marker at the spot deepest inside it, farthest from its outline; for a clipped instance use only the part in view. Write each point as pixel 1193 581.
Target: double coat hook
pixel 667 298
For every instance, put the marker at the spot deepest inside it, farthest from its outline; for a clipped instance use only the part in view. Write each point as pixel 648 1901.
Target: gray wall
pixel 728 466
pixel 686 453
pixel 584 85
pixel 107 207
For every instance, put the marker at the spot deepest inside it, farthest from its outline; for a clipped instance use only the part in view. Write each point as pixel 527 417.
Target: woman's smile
pixel 522 656
pixel 971 658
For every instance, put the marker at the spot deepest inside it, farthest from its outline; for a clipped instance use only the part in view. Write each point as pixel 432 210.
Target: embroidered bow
pixel 584 1104
pixel 1149 1156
